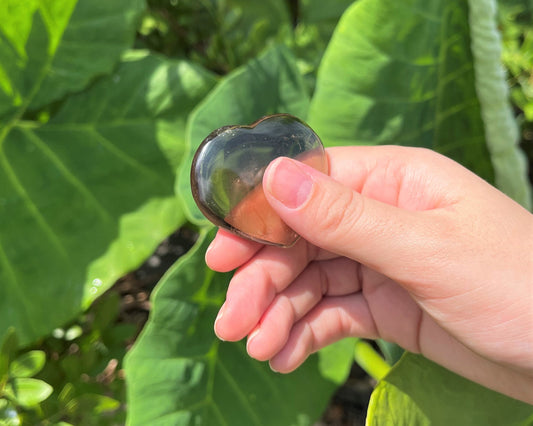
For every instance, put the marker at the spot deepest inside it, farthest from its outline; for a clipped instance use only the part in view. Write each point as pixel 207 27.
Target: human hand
pixel 398 243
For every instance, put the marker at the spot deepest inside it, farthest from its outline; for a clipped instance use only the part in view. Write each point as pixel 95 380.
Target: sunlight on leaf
pixel 179 373
pixel 28 392
pixel 402 73
pixel 27 364
pixel 418 391
pixel 66 184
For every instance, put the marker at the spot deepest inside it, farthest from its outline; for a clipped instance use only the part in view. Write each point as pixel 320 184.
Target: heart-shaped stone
pixel 227 174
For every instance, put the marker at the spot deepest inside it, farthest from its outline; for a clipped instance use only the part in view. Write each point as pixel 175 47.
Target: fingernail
pixel 289 183
pixel 219 316
pixel 272 368
pixel 251 336
pixel 211 247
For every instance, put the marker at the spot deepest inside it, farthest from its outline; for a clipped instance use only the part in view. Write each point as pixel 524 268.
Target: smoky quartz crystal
pixel 227 174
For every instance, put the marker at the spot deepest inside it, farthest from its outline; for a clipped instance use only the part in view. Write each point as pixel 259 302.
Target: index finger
pixel 228 251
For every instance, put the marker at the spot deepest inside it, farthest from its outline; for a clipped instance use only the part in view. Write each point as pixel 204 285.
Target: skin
pixel 397 243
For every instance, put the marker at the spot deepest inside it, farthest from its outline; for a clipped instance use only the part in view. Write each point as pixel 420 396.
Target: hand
pixel 398 243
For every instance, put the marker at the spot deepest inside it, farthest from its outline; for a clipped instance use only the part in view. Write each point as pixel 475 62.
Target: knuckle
pixel 323 278
pixel 341 214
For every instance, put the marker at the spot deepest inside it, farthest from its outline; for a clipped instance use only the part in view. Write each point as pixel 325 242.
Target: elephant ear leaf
pixel 422 74
pixel 86 179
pixel 48 49
pixel 179 373
pixel 419 392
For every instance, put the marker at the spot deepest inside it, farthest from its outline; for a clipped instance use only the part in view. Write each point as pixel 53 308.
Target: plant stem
pixel 369 360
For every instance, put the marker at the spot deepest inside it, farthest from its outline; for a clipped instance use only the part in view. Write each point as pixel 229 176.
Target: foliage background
pixel 101 107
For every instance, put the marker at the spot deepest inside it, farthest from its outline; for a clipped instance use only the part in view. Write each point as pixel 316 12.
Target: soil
pixel 348 405
pixel 135 288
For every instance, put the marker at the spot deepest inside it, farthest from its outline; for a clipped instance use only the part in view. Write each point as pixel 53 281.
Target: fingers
pixel 255 285
pixel 228 251
pixel 335 277
pixel 331 300
pixel 334 319
pixel 335 217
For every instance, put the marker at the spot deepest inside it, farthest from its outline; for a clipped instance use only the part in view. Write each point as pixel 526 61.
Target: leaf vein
pixel 32 208
pixel 69 176
pixel 12 282
pixel 121 155
pixel 239 394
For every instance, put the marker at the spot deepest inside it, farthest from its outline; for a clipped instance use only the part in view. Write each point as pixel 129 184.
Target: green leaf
pixel 88 195
pixel 106 311
pixel 92 404
pixel 9 416
pixel 500 126
pixel 391 351
pixel 266 85
pixel 7 353
pixel 316 21
pixel 66 394
pixel 335 361
pixel 179 373
pixel 28 392
pixel 49 48
pixel 402 73
pixel 420 392
pixel 27 364
pixel 246 27
pixel 139 234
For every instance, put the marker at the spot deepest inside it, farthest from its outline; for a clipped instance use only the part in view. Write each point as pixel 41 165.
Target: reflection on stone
pixel 227 174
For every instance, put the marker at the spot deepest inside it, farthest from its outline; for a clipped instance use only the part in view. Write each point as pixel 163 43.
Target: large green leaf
pixel 402 73
pixel 420 392
pixel 49 48
pixel 422 73
pixel 266 85
pixel 179 373
pixel 66 184
pixel 336 360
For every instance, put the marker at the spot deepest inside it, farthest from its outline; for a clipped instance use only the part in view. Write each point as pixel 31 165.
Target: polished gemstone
pixel 227 174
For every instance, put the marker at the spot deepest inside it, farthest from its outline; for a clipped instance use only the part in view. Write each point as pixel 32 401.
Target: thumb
pixel 336 218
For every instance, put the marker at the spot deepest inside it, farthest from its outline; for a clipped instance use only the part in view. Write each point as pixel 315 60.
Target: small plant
pixel 20 393
pixel 102 106
pixel 75 377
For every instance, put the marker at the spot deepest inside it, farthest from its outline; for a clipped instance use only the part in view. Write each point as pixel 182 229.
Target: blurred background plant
pixel 75 375
pixel 516 26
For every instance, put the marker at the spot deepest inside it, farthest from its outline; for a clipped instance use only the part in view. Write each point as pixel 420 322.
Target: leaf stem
pixel 369 360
